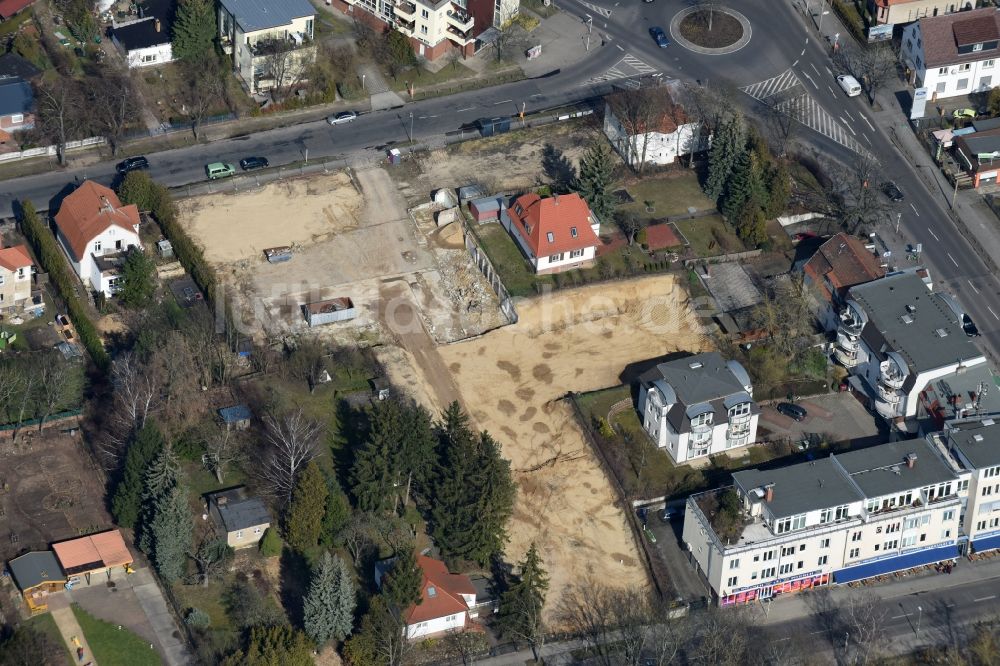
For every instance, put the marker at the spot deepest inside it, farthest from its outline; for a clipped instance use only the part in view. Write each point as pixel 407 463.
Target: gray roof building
pixel 796 489
pixel 978 442
pixel 904 317
pixel 15 97
pixel 235 511
pixel 33 569
pixel 895 467
pixel 254 15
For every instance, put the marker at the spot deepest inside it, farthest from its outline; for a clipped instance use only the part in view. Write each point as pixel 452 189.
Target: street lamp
pixel 411 126
pixel 919 612
pixel 590 29
pixel 847 637
pixel 363 82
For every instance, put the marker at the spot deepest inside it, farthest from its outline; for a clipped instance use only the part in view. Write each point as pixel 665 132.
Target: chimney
pixel 911 460
pixel 769 492
pixel 555 197
pixel 156 25
pixel 105 204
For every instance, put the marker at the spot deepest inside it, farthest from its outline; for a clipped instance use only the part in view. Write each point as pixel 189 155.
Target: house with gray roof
pixel 242 518
pixel 37 574
pixel 17 105
pixel 270 41
pixel 698 405
pixel 975 445
pixel 896 337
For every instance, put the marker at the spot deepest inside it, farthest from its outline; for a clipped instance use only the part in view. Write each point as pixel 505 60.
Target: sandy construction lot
pixel 513 379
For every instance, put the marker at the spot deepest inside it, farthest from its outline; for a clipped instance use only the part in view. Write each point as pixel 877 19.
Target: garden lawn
pixel 671 195
pixel 420 76
pixel 44 624
pixel 710 236
pixel 114 647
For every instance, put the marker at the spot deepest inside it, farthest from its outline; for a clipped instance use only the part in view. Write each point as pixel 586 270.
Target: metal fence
pixel 52 151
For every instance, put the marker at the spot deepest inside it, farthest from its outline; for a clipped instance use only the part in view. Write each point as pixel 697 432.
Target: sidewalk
pixel 155 607
pixel 69 628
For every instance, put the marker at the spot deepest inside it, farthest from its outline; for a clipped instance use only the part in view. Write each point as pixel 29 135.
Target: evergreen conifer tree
pixel 305 514
pixel 723 155
pixel 521 605
pixel 171 533
pixel 375 464
pixel 328 609
pixel 403 583
pixel 127 500
pixel 194 30
pixel 596 178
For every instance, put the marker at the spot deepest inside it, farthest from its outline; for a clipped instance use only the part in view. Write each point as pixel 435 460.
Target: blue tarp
pixel 989 543
pixel 892 564
pixel 235 414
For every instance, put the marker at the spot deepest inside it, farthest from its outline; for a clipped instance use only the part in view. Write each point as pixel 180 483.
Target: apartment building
pixel 975 446
pixel 697 406
pixel 838 519
pixel 436 28
pixel 953 55
pixel 906 11
pixel 270 41
pixel 840 263
pixel 896 338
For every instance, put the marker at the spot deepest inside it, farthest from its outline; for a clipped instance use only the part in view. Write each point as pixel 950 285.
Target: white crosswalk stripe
pixel 796 102
pixel 597 10
pixel 627 67
pixel 637 64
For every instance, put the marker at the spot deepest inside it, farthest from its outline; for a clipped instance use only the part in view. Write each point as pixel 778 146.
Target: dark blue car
pixel 659 37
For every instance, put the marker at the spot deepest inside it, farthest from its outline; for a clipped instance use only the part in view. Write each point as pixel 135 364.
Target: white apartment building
pixel 975 446
pixel 670 136
pixel 896 337
pixel 270 41
pixel 953 55
pixel 838 519
pixel 698 406
pixel 905 11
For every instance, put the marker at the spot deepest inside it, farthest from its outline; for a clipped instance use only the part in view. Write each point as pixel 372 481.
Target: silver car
pixel 342 117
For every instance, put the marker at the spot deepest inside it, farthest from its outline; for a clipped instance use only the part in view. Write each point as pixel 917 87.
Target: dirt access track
pixel 513 381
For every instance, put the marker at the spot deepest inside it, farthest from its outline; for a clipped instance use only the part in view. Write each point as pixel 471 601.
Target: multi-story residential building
pixel 436 27
pixel 896 12
pixel 270 41
pixel 955 54
pixel 975 446
pixel 840 263
pixel 838 519
pixel 697 406
pixel 896 337
pixel 670 135
pixel 15 278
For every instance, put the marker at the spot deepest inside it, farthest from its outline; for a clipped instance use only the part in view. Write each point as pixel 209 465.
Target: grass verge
pixel 114 647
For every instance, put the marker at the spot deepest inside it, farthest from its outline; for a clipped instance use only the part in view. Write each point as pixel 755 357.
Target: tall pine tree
pixel 328 609
pixel 596 178
pixel 171 534
pixel 403 583
pixel 723 155
pixel 160 478
pixel 416 456
pixel 127 500
pixel 521 605
pixel 375 467
pixel 336 514
pixel 305 513
pixel 739 190
pixel 194 30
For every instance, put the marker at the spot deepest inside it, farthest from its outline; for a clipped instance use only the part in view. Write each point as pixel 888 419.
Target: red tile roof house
pixel 558 233
pixel 95 230
pixel 839 264
pixel 15 278
pixel 11 8
pixel 447 600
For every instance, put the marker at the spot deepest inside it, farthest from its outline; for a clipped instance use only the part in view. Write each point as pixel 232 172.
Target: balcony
pixel 892 381
pixel 405 10
pixel 887 409
pixel 461 21
pixel 846 353
pixel 459 37
pixel 269 46
pixel 408 28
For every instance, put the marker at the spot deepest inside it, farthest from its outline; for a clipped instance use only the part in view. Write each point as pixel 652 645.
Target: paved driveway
pixel 837 417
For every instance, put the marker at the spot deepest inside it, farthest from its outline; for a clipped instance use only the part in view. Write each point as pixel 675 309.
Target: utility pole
pixel 411 126
pixel 363 87
pixel 954 194
pixel 919 612
pixel 590 29
pixel 898 215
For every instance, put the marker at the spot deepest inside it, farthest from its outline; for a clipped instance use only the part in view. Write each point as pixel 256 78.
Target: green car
pixel 964 113
pixel 219 170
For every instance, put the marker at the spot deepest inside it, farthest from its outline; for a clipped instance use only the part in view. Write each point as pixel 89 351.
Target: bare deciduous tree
pixel 136 395
pixel 59 383
pixel 509 35
pixel 224 447
pixel 203 91
pixel 864 619
pixel 638 111
pixel 291 442
pixel 210 555
pixel 112 98
pixel 59 107
pixel 873 66
pixel 613 621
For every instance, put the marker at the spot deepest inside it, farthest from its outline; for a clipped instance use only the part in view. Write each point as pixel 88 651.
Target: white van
pixel 849 84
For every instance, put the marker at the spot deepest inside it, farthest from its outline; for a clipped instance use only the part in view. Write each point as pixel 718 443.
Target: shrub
pixel 197 618
pixel 605 428
pixel 270 544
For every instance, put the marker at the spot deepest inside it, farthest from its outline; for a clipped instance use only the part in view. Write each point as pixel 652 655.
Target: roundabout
pixel 718 31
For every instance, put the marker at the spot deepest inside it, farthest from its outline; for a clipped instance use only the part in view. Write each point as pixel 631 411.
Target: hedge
pixel 54 263
pixel 851 17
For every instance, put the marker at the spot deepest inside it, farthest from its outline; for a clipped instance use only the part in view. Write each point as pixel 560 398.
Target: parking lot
pixel 835 417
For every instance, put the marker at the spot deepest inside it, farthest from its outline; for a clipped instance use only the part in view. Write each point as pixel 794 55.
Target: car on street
pixel 963 113
pixel 969 326
pixel 251 163
pixel 217 170
pixel 792 411
pixel 137 163
pixel 659 37
pixel 849 84
pixel 342 117
pixel 891 190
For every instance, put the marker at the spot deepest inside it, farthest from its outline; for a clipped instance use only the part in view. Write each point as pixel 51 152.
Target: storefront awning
pixel 893 564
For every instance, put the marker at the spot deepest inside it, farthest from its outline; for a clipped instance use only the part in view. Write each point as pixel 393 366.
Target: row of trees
pixel 37 385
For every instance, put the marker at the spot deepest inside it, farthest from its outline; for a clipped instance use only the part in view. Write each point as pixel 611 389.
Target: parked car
pixel 251 163
pixel 792 411
pixel 969 326
pixel 891 190
pixel 342 117
pixel 659 37
pixel 132 164
pixel 219 170
pixel 849 84
pixel 963 113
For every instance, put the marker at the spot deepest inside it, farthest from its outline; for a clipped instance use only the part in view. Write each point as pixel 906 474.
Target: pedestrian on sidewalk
pixel 79 654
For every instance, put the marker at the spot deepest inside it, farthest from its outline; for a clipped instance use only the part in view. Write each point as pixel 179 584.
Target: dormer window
pixel 518 209
pixel 527 227
pixel 572 232
pixel 977 47
pixel 550 236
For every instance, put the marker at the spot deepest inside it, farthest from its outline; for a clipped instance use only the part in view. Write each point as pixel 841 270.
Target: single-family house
pixel 37 575
pixel 271 42
pixel 11 8
pixel 896 337
pixel 896 12
pixel 447 600
pixel 236 417
pixel 147 41
pixel 17 105
pixel 94 228
pixel 840 263
pixel 698 406
pixel 101 553
pixel 659 140
pixel 556 233
pixel 15 278
pixel 243 519
pixel 952 55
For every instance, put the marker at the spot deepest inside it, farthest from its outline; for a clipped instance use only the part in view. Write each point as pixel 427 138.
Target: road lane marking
pixel 795 63
pixel 933 234
pixel 993 313
pixel 468 109
pixel 848 114
pixel 952 259
pixel 803 51
pixel 815 85
pixel 848 126
pixel 866 120
pixel 619 47
pixel 828 70
pixel 992 596
pixel 502 102
pixel 814 68
pixel 867 139
pixel 833 94
pixel 896 617
pixel 973 286
pixel 915 210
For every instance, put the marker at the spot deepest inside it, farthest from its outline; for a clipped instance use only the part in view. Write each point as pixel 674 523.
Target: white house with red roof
pixel 447 600
pixel 557 233
pixel 95 230
pixel 15 278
